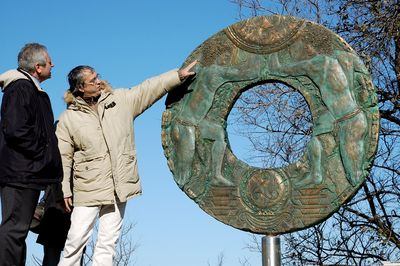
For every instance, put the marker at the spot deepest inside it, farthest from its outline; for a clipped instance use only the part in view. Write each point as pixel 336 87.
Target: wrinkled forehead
pixel 89 73
pixel 47 57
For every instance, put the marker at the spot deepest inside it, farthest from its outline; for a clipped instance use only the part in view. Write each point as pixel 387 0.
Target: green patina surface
pixel 340 95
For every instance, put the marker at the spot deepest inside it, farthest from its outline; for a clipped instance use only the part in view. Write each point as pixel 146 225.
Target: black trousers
pixel 17 208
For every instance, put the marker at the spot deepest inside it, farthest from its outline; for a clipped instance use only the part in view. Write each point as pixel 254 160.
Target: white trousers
pixel 83 220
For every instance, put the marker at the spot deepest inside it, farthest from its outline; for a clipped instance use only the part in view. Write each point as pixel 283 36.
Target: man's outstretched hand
pixel 186 72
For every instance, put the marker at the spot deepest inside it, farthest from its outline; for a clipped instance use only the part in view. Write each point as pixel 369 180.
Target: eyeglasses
pixel 94 80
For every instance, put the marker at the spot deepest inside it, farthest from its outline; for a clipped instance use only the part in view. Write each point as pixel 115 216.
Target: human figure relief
pixel 334 78
pixel 195 108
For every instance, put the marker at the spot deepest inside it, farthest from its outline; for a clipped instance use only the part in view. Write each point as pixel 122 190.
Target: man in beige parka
pixel 96 142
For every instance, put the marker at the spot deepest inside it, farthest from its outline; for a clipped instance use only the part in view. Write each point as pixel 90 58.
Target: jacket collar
pixel 15 74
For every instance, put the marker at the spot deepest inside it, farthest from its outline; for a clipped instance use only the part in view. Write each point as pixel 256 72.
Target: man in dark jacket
pixel 29 155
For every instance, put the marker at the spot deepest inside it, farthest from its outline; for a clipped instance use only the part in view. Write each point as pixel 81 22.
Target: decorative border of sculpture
pixel 339 92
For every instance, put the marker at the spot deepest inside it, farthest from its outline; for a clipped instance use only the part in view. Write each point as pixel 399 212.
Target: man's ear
pixel 38 69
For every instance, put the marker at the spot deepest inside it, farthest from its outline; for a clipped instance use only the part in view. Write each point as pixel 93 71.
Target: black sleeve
pixel 19 119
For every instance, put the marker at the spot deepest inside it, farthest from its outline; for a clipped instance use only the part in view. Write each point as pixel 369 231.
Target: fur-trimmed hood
pixel 69 98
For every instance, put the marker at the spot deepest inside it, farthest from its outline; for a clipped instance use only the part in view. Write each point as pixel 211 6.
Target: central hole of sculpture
pixel 269 125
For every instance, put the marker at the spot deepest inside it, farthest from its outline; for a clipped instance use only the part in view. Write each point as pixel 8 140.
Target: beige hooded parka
pixel 97 148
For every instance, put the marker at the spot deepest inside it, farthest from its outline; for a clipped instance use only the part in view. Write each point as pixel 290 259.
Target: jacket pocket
pixel 89 173
pixel 130 167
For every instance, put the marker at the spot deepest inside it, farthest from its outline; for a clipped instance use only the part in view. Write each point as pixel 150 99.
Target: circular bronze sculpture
pixel 340 95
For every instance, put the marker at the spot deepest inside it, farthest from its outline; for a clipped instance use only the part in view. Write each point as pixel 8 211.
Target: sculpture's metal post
pixel 271 251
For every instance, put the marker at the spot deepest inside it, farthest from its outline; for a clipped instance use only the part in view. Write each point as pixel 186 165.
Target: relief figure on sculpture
pixel 334 78
pixel 192 117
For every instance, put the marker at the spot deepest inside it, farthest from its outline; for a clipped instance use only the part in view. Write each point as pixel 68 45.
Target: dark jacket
pixel 28 145
pixel 55 223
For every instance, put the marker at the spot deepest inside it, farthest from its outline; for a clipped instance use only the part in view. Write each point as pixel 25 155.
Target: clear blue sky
pixel 128 41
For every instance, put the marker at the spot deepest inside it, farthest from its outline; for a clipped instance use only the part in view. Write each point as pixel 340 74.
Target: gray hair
pixel 76 77
pixel 30 55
